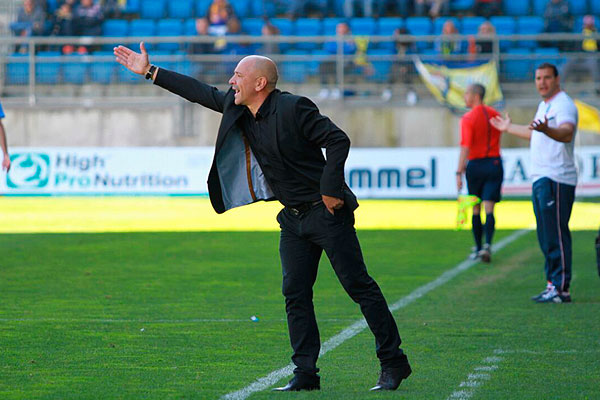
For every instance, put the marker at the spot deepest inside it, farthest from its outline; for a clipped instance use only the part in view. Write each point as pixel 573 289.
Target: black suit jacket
pixel 235 177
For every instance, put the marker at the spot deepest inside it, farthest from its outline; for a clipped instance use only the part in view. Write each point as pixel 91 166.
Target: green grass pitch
pixel 167 316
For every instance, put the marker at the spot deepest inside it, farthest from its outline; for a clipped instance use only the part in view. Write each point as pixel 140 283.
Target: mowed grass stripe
pixel 182 214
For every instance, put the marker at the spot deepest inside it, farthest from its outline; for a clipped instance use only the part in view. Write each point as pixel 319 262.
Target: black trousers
pixel 304 236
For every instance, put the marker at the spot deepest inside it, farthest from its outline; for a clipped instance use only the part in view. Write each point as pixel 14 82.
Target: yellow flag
pixel 465 202
pixel 589 117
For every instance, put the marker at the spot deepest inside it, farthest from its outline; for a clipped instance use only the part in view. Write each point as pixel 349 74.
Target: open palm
pixel 500 123
pixel 135 62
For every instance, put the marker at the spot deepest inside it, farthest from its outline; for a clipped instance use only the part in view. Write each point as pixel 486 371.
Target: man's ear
pixel 261 83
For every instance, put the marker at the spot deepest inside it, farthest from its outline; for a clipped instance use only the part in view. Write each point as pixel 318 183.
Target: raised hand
pixel 135 62
pixel 500 123
pixel 539 125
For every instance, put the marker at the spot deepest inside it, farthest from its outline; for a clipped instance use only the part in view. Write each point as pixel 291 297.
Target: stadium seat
pixel 189 27
pixel 17 69
pixel 252 26
pixel 386 27
pixel 517 69
pixel 548 54
pixel 102 71
pixel 142 27
pixel 419 26
pixel 295 71
pixel 308 27
pixel 241 8
pixel 516 8
pixel 132 7
pixel 286 28
pixel 51 6
pixel 180 9
pixel 595 6
pixel 462 5
pixel 529 26
pixel 504 26
pixel 202 7
pixel 75 69
pixel 381 62
pixel 578 7
pixel 439 23
pixel 362 26
pixel 114 28
pixel 152 9
pixel 169 27
pixel 47 72
pixel 470 25
pixel 329 25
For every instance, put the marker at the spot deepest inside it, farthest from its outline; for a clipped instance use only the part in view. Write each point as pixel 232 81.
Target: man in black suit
pixel 269 147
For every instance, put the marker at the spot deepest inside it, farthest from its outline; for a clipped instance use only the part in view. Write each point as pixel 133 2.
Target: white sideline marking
pixel 476 379
pixel 149 321
pixel 357 327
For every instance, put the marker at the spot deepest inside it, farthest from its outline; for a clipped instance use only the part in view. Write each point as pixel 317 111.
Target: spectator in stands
pixel 590 46
pixel 63 20
pixel 557 16
pixel 487 8
pixel 88 18
pixel 202 25
pixel 266 48
pixel 484 43
pixel 304 8
pixel 31 21
pixel 219 12
pixel 365 5
pixel 354 61
pixel 434 7
pixel 112 8
pixel 401 7
pixel 446 45
pixel 269 8
pixel 403 68
pixel 234 28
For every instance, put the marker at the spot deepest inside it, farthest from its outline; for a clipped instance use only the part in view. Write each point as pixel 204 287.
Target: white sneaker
pixel 486 253
pixel 323 94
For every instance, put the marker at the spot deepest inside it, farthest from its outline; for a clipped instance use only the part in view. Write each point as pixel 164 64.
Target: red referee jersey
pixel 476 133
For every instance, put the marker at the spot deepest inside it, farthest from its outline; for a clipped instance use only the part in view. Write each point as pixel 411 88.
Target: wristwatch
pixel 151 72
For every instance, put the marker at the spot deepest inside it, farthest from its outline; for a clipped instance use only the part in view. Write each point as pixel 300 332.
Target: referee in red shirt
pixel 480 159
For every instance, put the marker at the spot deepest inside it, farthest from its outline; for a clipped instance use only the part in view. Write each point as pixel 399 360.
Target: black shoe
pixel 391 378
pixel 301 382
pixel 485 253
pixel 549 287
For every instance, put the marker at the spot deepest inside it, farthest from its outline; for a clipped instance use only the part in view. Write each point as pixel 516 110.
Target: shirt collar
pixel 266 107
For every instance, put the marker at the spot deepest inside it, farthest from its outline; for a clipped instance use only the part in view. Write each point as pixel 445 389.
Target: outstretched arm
pixel 505 125
pixel 462 166
pixel 4 146
pixel 563 133
pixel 181 85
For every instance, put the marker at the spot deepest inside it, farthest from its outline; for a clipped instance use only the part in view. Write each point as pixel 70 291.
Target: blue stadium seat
pixel 262 8
pixel 241 8
pixel 17 69
pixel 115 27
pixel 308 27
pixel 516 8
pixel 329 25
pixel 470 25
pixel 504 26
pixel 315 61
pixel 595 6
pixel 362 26
pixel 47 72
pixel 169 27
pixel 103 71
pixel 252 26
pixel 419 26
pixel 189 27
pixel 132 7
pixel 462 5
pixel 180 9
pixel 387 25
pixel 381 61
pixel 539 6
pixel 75 69
pixel 51 5
pixel 182 66
pixel 152 9
pixel 295 71
pixel 517 69
pixel 202 7
pixel 578 7
pixel 142 27
pixel 548 54
pixel 529 26
pixel 439 23
pixel 286 28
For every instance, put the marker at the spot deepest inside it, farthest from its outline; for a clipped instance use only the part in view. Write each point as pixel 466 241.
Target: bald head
pixel 262 66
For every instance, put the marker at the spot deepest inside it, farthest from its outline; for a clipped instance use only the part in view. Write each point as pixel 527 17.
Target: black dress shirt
pixel 261 134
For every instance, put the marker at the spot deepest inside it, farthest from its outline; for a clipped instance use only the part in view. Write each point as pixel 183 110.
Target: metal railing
pixel 36 66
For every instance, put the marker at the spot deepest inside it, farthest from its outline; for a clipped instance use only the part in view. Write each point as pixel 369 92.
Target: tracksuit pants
pixel 552 204
pixel 304 236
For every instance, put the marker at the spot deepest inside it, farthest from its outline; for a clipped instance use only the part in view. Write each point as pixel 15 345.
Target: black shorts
pixel 484 178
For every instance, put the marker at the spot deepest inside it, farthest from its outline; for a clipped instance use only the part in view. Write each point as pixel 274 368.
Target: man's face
pixel 28 5
pixel 87 3
pixel 469 98
pixel 546 83
pixel 243 82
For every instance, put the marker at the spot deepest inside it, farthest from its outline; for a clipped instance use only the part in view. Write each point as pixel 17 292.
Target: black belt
pixel 304 207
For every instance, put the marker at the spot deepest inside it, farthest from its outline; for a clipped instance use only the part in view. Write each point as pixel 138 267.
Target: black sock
pixel 490 225
pixel 477 230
